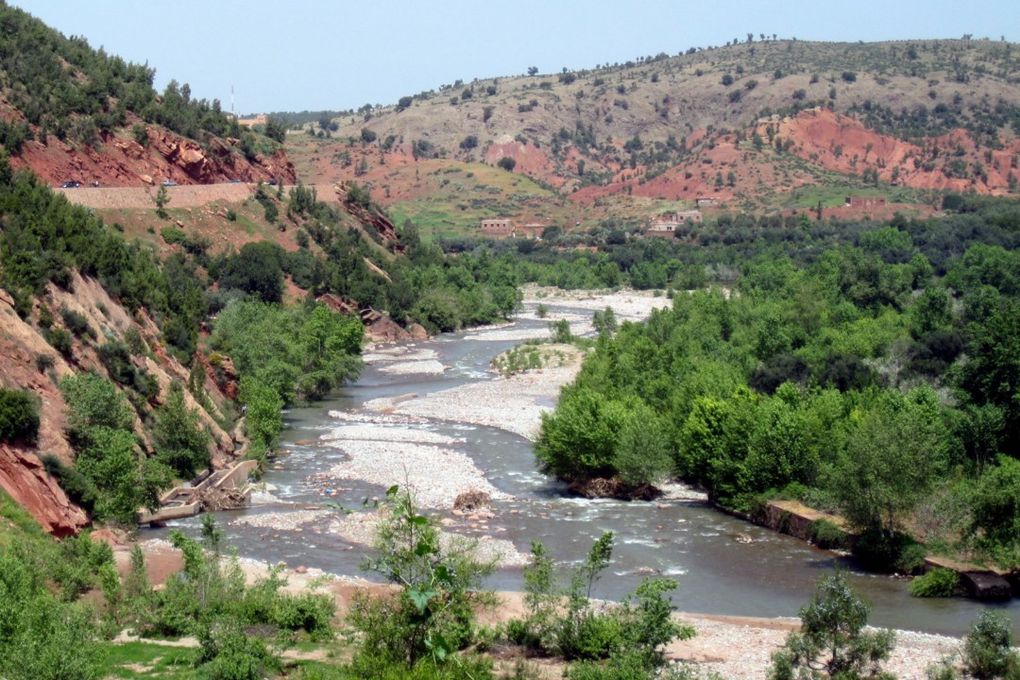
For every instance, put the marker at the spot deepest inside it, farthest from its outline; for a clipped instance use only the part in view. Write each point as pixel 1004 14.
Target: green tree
pixel 93 402
pixel 642 454
pixel 124 481
pixel 180 442
pixel 507 163
pixel 578 441
pixel 892 459
pixel 832 641
pixel 162 199
pixel 987 650
pixel 41 638
pixel 604 321
pixel 256 269
pixel 995 508
pixel 263 421
pixel 432 616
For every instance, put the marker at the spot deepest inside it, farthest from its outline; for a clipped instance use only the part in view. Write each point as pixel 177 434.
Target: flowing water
pixel 723 565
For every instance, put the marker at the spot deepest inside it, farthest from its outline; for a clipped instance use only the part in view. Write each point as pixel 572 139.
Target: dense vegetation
pixel 862 381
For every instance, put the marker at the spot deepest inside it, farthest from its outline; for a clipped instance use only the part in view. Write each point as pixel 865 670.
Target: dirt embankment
pixel 952 162
pixel 28 362
pixel 120 160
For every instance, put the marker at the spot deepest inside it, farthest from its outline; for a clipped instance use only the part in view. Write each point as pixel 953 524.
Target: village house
pixel 504 227
pixel 530 230
pixel 498 227
pixel 864 202
pixel 252 121
pixel 666 225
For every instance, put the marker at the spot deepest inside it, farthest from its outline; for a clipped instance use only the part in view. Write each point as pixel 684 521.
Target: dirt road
pixel 182 196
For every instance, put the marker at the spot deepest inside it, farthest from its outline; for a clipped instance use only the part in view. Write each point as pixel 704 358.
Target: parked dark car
pixel 70 184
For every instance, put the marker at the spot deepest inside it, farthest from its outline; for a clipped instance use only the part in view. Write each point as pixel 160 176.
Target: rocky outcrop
pixel 614 487
pixel 25 480
pixel 117 161
pixel 370 216
pixel 338 304
pixel 385 329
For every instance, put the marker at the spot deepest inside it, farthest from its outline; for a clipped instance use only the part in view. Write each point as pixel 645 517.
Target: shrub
pixel 828 536
pixel 881 551
pixel 228 653
pixel 179 441
pixel 59 340
pixel 432 616
pixel 44 362
pixel 560 332
pixel 76 323
pixel 987 650
pixel 936 583
pixel 833 637
pixel 507 163
pixel 43 639
pixel 19 416
pixel 173 235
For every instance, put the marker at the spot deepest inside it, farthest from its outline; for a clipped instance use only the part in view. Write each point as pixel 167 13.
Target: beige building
pixel 498 227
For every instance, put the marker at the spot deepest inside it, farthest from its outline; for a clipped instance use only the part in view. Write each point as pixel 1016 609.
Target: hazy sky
pixel 316 54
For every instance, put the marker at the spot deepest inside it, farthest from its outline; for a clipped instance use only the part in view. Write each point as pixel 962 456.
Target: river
pixel 723 565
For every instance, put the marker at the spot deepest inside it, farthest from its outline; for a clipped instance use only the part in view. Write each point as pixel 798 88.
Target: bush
pixel 987 650
pixel 828 536
pixel 19 416
pixel 936 583
pixel 507 163
pixel 432 615
pixel 173 235
pixel 228 653
pixel 43 639
pixel 76 323
pixel 880 551
pixel 833 637
pixel 59 340
pixel 630 635
pixel 44 362
pixel 179 441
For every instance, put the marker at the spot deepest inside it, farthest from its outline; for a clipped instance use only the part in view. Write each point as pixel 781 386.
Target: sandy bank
pixel 736 647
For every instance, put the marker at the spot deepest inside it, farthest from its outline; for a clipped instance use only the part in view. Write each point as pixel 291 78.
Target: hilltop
pixel 71 113
pixel 762 125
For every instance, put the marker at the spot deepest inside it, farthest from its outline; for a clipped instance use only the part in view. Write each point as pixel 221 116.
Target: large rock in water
pixel 986 585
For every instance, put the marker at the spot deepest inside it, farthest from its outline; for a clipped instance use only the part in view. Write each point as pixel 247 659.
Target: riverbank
pixel 736 647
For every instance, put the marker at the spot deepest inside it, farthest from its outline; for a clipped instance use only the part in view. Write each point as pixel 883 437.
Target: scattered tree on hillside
pixel 161 200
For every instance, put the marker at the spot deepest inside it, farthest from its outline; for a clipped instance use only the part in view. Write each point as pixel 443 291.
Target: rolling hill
pixel 762 125
pixel 71 113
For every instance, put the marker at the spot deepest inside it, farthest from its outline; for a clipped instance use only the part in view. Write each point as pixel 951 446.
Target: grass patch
pixel 147 660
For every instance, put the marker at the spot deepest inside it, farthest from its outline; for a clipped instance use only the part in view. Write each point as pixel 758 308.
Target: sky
pixel 319 54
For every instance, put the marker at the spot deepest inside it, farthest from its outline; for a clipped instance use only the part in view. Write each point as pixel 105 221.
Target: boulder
pixel 986 585
pixel 471 501
pixel 417 332
pixel 385 329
